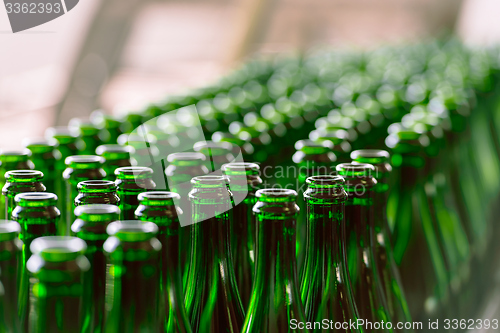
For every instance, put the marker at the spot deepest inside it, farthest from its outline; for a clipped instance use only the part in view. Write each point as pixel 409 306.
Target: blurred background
pixel 121 54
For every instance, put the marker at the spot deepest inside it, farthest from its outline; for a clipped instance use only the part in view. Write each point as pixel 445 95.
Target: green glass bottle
pixel 132 277
pixel 384 258
pixel 216 153
pixel 68 143
pixel 159 207
pixel 115 156
pixel 96 192
pixel 67 139
pixel 90 225
pixel 45 156
pixel 212 300
pixel 245 180
pixel 88 133
pixel 338 137
pixel 363 273
pixel 325 289
pixel 109 126
pixel 130 182
pixel 38 216
pixel 12 160
pixel 182 168
pixel 311 159
pixel 415 242
pixel 275 301
pixel 20 181
pixel 10 256
pixel 79 168
pixel 56 269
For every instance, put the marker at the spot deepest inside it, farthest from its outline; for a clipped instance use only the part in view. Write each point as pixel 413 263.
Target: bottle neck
pixel 324 236
pixel 275 256
pixel 359 219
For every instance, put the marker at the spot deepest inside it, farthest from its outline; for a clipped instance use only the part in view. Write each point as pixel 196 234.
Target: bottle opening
pixel 276 195
pixel 357 170
pixel 212 148
pixel 241 169
pixel 36 196
pixel 96 209
pixel 209 181
pixel 58 248
pixel 24 175
pixel 132 230
pixel 9 229
pixel 313 147
pixel 109 150
pixel 96 185
pixel 14 156
pixel 131 172
pixel 325 181
pixel 83 160
pixel 370 156
pixel 187 157
pixel 159 196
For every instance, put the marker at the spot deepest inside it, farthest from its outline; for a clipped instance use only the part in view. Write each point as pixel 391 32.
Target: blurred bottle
pixel 90 225
pixel 78 169
pixel 68 145
pixel 115 156
pixel 310 159
pixel 11 255
pixel 109 126
pixel 56 270
pixel 384 258
pixel 12 160
pixel 38 216
pixel 132 277
pixel 130 182
pixel 88 133
pixel 416 248
pixel 45 157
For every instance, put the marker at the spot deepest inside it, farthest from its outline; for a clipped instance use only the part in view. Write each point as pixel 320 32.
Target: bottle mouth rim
pixel 83 159
pixel 60 131
pixel 312 144
pixel 114 149
pixel 370 153
pixel 133 171
pixel 26 153
pixel 40 142
pixel 130 229
pixel 96 209
pixel 185 156
pixel 58 244
pixel 240 168
pixel 9 227
pixel 96 184
pixel 35 196
pixel 276 194
pixel 210 180
pixel 354 168
pixel 158 195
pixel 24 174
pixel 214 147
pixel 326 181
